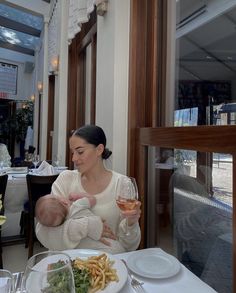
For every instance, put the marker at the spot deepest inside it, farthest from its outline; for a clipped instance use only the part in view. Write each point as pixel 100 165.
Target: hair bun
pixel 106 154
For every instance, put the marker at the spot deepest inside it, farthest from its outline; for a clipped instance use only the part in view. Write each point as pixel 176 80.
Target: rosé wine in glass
pixel 127 196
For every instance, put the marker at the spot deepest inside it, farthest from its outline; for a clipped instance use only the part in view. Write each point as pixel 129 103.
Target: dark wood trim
pixel 160 76
pixel 71 113
pixel 137 90
pixel 234 221
pixel 147 73
pixel 93 78
pixel 76 79
pixel 51 94
pixel 202 138
pixel 39 122
pixel 87 38
pixel 81 91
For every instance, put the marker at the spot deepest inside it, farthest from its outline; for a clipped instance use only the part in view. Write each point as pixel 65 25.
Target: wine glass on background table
pixel 127 196
pixel 56 161
pixel 35 160
pixel 48 271
pixel 1 165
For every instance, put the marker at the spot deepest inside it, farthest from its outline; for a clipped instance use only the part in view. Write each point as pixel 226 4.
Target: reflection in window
pixel 190 211
pixel 205 61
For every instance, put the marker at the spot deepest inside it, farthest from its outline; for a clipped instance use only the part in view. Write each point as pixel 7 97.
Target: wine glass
pixel 35 160
pixel 56 161
pixel 126 196
pixel 6 282
pixel 1 165
pixel 48 271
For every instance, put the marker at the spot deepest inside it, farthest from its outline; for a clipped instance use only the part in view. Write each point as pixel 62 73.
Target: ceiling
pixel 208 50
pixel 19 29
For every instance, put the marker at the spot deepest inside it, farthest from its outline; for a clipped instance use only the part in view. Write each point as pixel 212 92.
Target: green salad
pixel 82 280
pixel 59 282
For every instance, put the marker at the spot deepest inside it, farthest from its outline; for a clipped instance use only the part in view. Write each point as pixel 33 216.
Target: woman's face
pixel 84 155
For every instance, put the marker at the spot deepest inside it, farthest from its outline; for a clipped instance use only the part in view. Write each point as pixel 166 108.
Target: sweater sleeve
pixel 70 233
pixel 129 242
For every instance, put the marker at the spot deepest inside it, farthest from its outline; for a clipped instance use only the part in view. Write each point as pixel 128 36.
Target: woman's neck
pixel 96 180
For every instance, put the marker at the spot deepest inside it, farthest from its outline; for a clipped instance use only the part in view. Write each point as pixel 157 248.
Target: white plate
pixel 153 263
pixel 113 287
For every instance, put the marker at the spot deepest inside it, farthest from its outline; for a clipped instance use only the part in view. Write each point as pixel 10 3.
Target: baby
pixel 52 211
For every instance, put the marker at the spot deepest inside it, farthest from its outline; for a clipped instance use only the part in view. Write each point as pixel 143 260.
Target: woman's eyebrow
pixel 79 147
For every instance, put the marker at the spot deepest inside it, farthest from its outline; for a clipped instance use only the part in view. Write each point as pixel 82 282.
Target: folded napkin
pixel 45 169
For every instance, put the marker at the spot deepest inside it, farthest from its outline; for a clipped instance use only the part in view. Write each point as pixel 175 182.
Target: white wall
pixel 112 79
pixel 112 82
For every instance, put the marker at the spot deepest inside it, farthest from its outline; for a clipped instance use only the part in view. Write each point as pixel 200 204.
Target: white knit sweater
pixel 85 233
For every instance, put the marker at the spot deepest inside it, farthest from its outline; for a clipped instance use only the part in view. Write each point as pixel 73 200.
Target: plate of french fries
pixel 108 273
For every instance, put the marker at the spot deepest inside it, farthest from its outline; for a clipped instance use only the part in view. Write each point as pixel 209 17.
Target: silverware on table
pixel 136 284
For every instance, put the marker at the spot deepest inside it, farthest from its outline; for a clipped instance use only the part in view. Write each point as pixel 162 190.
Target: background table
pixel 15 197
pixel 184 281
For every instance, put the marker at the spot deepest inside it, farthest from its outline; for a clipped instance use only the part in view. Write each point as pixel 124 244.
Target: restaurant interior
pixel 158 77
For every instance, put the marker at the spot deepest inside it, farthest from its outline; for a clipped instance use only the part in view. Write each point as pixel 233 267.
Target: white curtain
pixel 79 12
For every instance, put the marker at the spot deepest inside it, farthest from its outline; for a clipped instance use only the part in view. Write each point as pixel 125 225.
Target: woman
pixel 88 146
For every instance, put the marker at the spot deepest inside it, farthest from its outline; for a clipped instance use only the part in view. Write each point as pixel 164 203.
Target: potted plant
pixel 18 124
pixel 23 118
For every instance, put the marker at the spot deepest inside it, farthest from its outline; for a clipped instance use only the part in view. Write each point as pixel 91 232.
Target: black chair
pixel 3 185
pixel 37 186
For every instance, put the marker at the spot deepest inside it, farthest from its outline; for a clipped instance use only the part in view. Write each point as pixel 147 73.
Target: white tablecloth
pixel 184 281
pixel 15 197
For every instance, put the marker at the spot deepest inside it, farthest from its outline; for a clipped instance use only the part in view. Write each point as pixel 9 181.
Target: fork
pixel 136 285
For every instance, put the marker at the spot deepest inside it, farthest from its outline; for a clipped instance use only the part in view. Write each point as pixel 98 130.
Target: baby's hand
pixel 91 198
pixel 75 196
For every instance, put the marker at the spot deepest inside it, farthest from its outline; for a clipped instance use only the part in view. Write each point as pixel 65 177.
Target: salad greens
pixel 59 282
pixel 82 280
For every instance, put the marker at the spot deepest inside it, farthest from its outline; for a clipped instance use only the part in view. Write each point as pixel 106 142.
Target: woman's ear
pixel 100 149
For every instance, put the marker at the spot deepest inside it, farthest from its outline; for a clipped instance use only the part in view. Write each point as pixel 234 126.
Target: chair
pixel 37 186
pixel 3 185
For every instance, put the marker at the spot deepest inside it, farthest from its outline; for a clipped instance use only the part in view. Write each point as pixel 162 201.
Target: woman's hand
pixel 132 215
pixel 107 233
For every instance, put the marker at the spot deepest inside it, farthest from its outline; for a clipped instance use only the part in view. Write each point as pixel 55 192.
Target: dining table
pixel 16 196
pixel 183 281
pixel 160 280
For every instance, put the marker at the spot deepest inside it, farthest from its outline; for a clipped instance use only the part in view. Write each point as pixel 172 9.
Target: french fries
pixel 100 269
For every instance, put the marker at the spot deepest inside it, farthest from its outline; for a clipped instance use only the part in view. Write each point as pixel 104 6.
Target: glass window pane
pixel 21 16
pixel 205 63
pixel 189 206
pixel 15 37
pixel 18 38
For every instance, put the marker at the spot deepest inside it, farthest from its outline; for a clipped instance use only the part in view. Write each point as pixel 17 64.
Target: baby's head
pixel 50 211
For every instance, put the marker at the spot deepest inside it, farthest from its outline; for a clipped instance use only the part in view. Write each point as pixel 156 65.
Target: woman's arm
pixel 129 242
pixel 70 233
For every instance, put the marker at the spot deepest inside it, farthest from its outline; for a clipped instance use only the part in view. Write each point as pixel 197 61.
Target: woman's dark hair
pixel 94 135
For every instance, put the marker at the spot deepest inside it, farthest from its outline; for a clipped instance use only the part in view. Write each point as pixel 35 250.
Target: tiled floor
pixel 15 256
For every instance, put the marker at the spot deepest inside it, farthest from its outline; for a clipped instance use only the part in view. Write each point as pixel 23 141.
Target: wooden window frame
pixel 146 118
